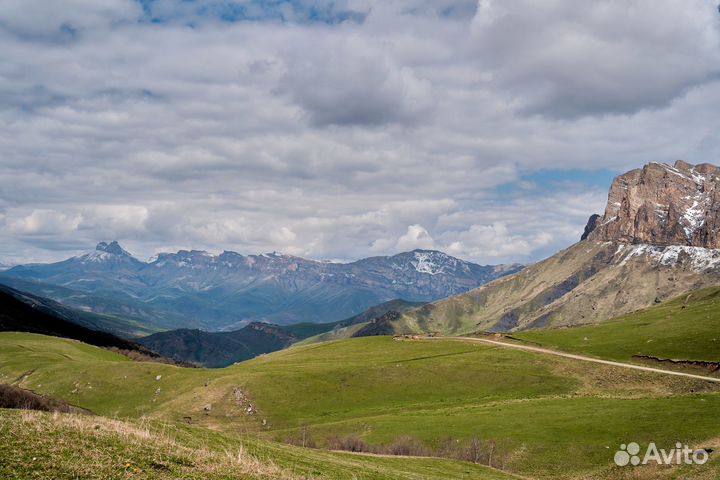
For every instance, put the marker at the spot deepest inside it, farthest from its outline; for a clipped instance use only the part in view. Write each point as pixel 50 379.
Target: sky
pixel 488 129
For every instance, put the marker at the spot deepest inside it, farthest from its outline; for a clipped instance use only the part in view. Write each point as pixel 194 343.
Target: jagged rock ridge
pixel 663 205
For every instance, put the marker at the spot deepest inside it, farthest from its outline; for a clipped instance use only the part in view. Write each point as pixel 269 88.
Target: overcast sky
pixel 340 129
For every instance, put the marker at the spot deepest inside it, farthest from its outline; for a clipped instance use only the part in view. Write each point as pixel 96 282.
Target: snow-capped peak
pixel 106 252
pixel 112 247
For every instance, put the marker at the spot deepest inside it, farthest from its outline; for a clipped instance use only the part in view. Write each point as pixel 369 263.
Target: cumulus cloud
pixel 566 58
pixel 355 81
pixel 496 241
pixel 415 237
pixel 339 129
pixel 44 222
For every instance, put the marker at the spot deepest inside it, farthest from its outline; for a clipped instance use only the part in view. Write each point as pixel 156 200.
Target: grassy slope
pixel 380 389
pixel 687 328
pixel 378 376
pixel 95 447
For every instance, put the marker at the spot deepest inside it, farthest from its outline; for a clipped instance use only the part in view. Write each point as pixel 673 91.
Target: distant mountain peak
pixel 432 262
pixel 663 205
pixel 108 253
pixel 112 247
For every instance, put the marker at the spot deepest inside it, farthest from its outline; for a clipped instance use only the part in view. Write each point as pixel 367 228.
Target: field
pixel 529 414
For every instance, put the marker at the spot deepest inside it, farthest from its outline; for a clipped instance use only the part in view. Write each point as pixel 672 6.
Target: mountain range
pixel 196 289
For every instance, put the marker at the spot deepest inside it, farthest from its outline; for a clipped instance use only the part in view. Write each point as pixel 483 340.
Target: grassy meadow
pixel 443 397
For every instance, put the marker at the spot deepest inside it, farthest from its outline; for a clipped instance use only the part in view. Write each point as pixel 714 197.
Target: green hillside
pixel 100 448
pixel 438 398
pixel 686 328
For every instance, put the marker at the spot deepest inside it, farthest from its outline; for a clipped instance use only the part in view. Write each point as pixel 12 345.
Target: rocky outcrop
pixel 709 366
pixel 663 205
pixel 591 226
pixel 382 325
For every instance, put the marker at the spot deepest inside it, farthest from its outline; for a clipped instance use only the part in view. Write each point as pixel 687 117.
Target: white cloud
pixel 496 241
pixel 415 237
pixel 44 222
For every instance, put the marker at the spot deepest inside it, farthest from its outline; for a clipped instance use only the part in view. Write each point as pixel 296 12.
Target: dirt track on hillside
pixel 574 356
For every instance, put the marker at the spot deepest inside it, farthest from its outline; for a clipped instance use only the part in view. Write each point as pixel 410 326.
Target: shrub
pixel 350 444
pixel 15 397
pixel 408 446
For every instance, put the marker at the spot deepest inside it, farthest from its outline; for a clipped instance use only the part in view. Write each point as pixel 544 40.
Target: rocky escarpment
pixel 382 325
pixel 663 205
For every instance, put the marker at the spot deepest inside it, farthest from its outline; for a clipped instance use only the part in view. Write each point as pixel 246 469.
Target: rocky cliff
pixel 663 205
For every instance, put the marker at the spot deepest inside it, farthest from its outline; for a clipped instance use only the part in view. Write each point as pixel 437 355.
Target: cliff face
pixel 663 205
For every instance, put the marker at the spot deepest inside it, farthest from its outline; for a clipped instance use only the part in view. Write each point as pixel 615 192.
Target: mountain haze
pixel 219 349
pixel 193 288
pixel 22 312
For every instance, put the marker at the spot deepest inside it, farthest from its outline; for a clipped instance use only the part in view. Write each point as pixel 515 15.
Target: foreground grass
pixel 533 414
pixel 42 445
pixel 687 328
pixel 58 446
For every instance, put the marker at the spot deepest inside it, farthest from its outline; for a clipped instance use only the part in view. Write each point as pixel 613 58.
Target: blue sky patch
pixel 252 10
pixel 557 179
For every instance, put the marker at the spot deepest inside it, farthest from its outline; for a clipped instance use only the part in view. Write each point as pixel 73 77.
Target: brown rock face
pixel 663 205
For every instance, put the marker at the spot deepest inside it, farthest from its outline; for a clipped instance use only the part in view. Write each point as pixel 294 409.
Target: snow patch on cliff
pixel 694 217
pixel 698 258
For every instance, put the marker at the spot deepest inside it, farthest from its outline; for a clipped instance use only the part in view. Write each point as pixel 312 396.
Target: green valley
pixel 440 398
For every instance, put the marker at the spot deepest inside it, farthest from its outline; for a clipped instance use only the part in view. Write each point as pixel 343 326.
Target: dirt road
pixel 573 356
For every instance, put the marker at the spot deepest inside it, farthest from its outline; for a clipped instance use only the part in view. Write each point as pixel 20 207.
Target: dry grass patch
pixel 609 381
pixel 57 445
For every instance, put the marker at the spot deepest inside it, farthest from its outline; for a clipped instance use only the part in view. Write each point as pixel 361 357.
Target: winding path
pixel 573 356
